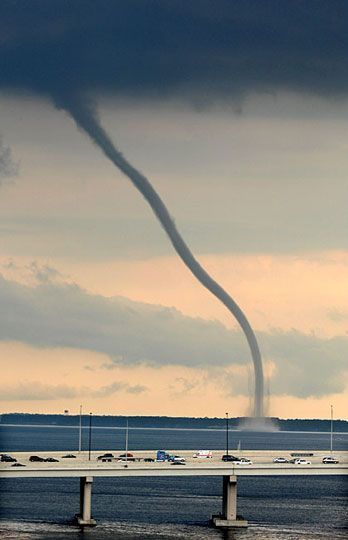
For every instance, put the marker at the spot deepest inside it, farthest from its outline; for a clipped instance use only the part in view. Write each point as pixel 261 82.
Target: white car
pixel 243 461
pixel 302 462
pixel 280 460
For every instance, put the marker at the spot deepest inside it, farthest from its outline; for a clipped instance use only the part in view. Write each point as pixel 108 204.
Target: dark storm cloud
pixel 200 48
pixel 131 333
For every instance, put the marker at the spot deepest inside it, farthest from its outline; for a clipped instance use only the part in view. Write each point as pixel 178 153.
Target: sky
pixel 237 114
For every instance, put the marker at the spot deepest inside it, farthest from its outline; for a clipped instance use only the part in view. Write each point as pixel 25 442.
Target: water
pixel 290 508
pixel 40 438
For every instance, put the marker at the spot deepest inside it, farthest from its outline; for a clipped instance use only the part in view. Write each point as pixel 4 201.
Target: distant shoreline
pixel 117 422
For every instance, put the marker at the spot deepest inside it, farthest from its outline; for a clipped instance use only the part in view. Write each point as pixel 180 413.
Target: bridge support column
pixel 85 516
pixel 228 517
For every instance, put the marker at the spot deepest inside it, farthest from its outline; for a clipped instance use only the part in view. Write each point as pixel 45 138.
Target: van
pixel 203 454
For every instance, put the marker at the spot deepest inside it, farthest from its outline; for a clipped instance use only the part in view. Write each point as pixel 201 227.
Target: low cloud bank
pixel 37 391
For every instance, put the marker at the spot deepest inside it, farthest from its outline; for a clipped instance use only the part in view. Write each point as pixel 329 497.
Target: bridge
pixel 87 469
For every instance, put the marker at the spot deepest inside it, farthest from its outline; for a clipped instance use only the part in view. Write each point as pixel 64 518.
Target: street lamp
pixel 331 428
pixel 90 437
pixel 80 430
pixel 227 434
pixel 126 465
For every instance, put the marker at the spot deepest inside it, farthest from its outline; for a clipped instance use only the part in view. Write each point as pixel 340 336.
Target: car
pixel 126 457
pixel 149 460
pixel 178 463
pixel 69 456
pixel 280 460
pixel 36 458
pixel 51 460
pixel 177 458
pixel 243 461
pixel 17 465
pixel 301 461
pixel 330 460
pixel 229 457
pixel 105 456
pixel 8 459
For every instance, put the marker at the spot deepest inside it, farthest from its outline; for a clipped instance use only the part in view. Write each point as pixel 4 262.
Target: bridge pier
pixel 85 516
pixel 228 517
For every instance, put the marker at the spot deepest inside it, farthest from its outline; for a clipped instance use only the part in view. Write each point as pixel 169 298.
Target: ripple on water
pixel 25 530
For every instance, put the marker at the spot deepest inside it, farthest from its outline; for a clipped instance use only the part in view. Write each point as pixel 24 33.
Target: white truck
pixel 203 454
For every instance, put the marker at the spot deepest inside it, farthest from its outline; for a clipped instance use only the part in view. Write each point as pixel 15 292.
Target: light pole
pixel 90 437
pixel 331 428
pixel 126 465
pixel 227 434
pixel 80 430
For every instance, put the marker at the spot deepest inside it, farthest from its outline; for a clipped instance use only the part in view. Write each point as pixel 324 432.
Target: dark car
pixel 17 465
pixel 228 457
pixel 8 459
pixel 178 463
pixel 36 458
pixel 51 460
pixel 149 460
pixel 69 456
pixel 126 457
pixel 106 456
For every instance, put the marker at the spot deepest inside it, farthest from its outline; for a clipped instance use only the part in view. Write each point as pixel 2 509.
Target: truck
pixel 162 455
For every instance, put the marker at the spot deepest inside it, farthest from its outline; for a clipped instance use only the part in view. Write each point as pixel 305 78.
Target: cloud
pixel 115 387
pixel 200 49
pixel 132 333
pixel 306 363
pixel 8 168
pixel 337 315
pixel 43 273
pixel 63 315
pixel 37 391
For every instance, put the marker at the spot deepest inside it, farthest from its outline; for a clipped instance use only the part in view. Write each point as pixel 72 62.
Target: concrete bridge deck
pixel 166 470
pixel 262 465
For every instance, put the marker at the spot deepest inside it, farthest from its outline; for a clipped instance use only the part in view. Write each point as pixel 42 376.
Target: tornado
pixel 85 116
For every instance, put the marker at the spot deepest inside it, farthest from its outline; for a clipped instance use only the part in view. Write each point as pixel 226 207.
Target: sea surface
pixel 277 508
